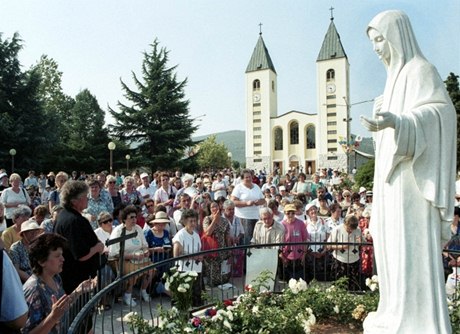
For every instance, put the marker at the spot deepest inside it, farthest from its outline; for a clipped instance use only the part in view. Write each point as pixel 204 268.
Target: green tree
pixel 57 106
pixel 365 175
pixel 453 89
pixel 212 154
pixel 23 123
pixel 157 118
pixel 87 144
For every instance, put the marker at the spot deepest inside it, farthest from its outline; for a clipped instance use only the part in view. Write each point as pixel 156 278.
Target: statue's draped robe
pixel 413 188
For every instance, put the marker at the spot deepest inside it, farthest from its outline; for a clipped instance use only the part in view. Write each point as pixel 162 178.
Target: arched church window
pixel 294 133
pixel 278 139
pixel 256 84
pixel 330 74
pixel 311 136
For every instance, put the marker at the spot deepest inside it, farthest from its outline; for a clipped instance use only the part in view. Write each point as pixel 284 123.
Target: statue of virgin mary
pixel 414 129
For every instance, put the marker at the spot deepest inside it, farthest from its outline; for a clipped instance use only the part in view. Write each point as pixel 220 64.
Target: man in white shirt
pixel 146 190
pixel 267 231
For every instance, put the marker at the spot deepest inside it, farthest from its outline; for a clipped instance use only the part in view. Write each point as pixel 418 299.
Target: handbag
pixel 209 242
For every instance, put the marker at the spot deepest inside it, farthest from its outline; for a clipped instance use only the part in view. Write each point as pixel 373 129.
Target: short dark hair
pixel 334 207
pixel 126 211
pixel 41 247
pixel 188 213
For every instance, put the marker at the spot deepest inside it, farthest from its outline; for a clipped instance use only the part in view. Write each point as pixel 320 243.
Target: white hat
pixel 144 175
pixel 362 190
pixel 30 225
pixel 160 218
pixel 2 175
pixel 282 188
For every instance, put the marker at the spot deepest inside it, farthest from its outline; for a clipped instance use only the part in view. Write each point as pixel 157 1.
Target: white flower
pixel 186 286
pixel 302 285
pixel 306 326
pixel 188 279
pixel 368 281
pixel 181 289
pixel 128 316
pixel 188 330
pixel 167 285
pixel 336 309
pixel 182 275
pixel 375 278
pixel 229 314
pixel 170 279
pixel 373 286
pixel 193 273
pixel 227 324
pixel 255 309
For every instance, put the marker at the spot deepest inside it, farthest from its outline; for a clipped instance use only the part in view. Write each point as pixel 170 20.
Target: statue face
pixel 380 45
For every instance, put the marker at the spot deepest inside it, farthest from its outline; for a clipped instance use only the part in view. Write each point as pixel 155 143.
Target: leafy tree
pixel 212 154
pixel 87 144
pixel 23 123
pixel 157 118
pixel 452 87
pixel 57 106
pixel 365 175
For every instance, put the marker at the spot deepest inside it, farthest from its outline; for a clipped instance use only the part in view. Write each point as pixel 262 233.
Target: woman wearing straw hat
pixel 160 245
pixel 19 251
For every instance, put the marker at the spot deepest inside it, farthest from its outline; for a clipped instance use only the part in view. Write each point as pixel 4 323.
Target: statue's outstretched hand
pixel 386 120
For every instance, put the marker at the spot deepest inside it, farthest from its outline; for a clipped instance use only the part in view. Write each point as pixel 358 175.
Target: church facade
pixel 298 140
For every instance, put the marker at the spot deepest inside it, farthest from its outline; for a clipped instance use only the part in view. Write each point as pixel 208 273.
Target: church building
pixel 301 140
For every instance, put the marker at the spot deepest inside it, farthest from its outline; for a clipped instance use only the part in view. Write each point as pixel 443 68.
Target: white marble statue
pixel 414 126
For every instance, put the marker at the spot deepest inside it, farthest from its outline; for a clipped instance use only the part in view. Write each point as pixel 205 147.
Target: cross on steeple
pixel 332 13
pixel 260 28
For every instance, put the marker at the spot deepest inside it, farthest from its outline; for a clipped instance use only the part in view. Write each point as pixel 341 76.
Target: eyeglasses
pixel 131 217
pixel 150 206
pixel 107 221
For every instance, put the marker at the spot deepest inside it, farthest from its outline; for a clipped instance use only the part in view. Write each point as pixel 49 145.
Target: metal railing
pixel 106 312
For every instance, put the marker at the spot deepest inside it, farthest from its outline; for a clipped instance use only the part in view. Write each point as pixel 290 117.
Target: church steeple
pixel 260 59
pixel 332 46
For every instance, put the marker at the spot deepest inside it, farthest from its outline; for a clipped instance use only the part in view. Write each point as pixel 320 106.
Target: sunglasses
pixel 107 221
pixel 112 182
pixel 131 217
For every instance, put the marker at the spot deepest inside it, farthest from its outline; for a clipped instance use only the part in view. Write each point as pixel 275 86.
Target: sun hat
pixel 346 192
pixel 144 175
pixel 282 188
pixel 2 175
pixel 369 193
pixel 362 190
pixel 290 207
pixel 309 206
pixel 160 218
pixel 29 225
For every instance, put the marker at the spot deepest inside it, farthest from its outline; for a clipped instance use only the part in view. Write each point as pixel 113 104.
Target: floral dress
pixel 38 298
pixel 213 265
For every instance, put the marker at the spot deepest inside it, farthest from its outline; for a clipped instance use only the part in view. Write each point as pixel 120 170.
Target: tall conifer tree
pixel 157 117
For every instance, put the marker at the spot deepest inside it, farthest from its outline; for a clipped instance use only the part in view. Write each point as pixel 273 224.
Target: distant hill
pixel 233 140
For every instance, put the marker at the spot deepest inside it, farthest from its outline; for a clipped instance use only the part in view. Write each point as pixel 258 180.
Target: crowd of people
pixel 55 229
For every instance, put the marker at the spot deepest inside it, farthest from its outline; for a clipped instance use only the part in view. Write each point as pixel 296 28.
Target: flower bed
pixel 297 309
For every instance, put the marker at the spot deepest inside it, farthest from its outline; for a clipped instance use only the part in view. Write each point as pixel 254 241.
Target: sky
pixel 97 43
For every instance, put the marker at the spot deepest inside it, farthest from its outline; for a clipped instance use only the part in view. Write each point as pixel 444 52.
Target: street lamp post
pixel 111 147
pixel 12 153
pixel 127 162
pixel 349 144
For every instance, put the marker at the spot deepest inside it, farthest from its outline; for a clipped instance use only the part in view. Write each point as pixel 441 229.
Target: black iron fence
pixel 225 273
